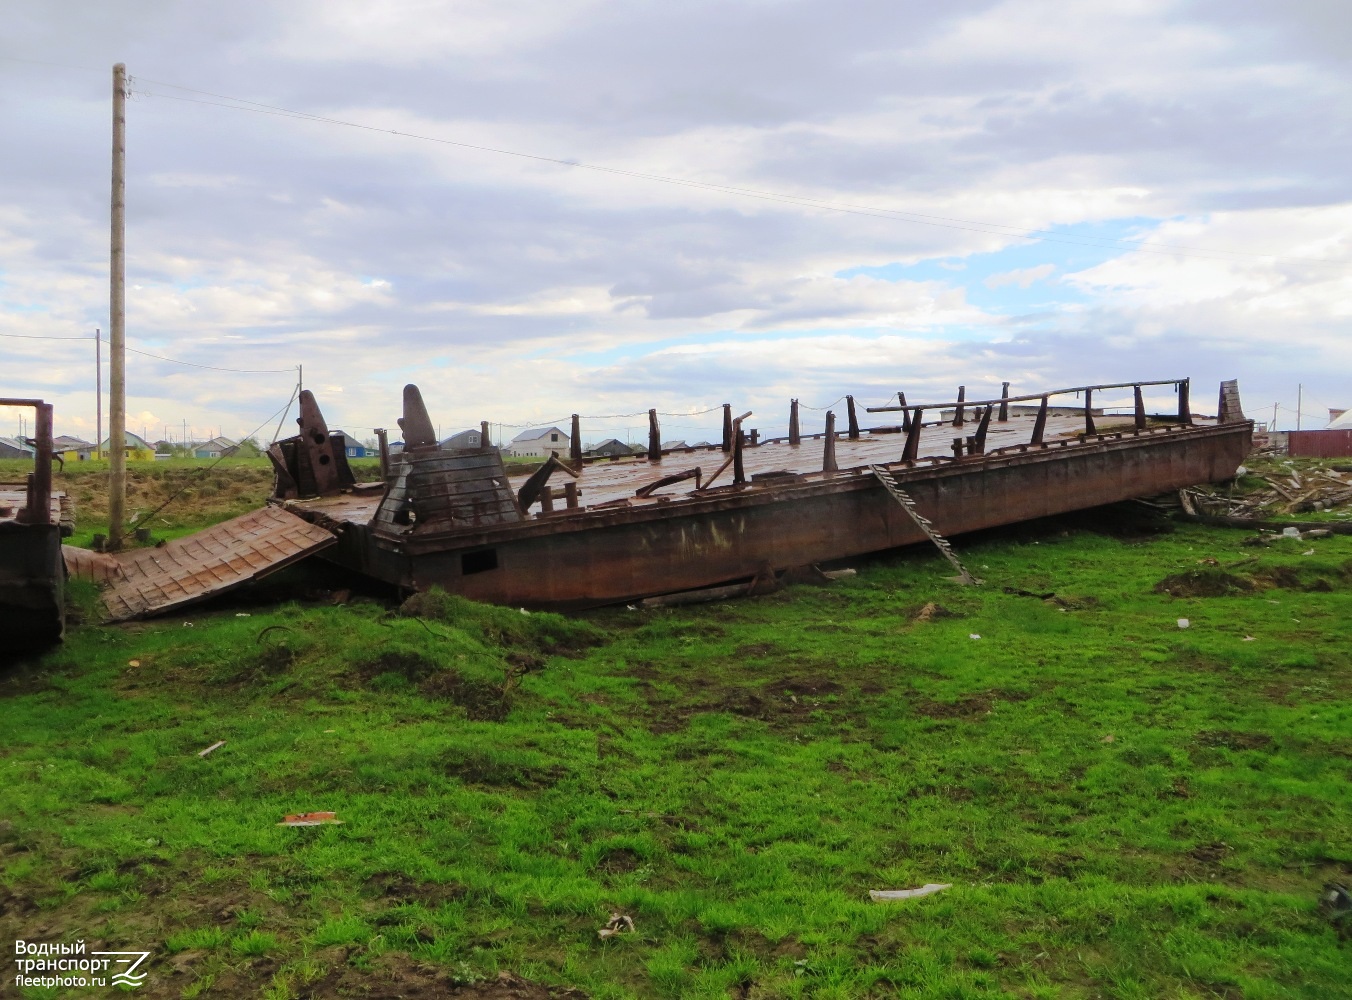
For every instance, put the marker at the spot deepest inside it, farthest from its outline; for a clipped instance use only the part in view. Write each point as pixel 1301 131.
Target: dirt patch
pixel 967 707
pixel 757 649
pixel 482 700
pixel 399 888
pixel 1231 740
pixel 1204 583
pixel 1212 853
pixel 399 977
pixel 618 861
pixel 499 770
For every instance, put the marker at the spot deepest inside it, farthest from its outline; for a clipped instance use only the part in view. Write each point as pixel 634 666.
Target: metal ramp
pixel 210 562
pixel 908 505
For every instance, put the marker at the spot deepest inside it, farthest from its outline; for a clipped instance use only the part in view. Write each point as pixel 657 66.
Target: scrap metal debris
pixel 928 889
pixel 619 923
pixel 310 819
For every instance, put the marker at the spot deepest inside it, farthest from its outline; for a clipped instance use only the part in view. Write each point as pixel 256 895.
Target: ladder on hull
pixel 908 505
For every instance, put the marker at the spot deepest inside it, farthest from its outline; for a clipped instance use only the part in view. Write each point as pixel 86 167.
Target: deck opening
pixel 478 562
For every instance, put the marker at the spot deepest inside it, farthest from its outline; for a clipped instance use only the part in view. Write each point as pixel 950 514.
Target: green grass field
pixel 1124 808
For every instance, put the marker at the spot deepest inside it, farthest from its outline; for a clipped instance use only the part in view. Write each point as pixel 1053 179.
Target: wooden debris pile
pixel 1288 492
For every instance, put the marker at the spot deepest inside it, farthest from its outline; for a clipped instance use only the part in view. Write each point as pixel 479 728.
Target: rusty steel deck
pixel 211 562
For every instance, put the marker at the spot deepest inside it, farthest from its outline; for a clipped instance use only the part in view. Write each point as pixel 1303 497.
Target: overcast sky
pixel 517 290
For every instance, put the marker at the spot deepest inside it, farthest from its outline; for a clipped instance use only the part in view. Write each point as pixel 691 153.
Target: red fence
pixel 1319 444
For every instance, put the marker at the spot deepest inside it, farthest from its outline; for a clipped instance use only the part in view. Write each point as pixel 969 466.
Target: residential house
pixel 215 448
pixel 14 448
pixel 609 448
pixel 138 449
pixel 353 447
pixel 73 449
pixel 465 439
pixel 539 444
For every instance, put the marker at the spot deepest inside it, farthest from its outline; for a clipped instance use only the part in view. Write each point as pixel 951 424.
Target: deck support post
pixel 383 441
pixel 755 437
pixel 738 442
pixel 1004 405
pixel 484 436
pixel 1184 407
pixel 979 439
pixel 727 428
pixel 574 443
pixel 912 449
pixel 1040 424
pixel 1089 429
pixel 570 494
pixel 1140 408
pixel 905 413
pixel 547 500
pixel 795 437
pixel 654 437
pixel 829 449
pixel 852 417
pixel 958 413
pixel 957 449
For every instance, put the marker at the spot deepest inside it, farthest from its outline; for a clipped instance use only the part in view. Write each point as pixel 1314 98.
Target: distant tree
pixel 249 448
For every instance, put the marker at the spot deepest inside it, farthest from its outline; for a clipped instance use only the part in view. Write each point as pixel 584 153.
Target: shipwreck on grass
pixel 594 531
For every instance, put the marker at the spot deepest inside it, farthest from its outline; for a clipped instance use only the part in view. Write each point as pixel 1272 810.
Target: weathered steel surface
pixel 33 521
pixel 438 490
pixel 211 562
pixel 662 545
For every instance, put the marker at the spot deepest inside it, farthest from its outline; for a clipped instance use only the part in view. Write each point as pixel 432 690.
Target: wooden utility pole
pixel 117 372
pixel 98 390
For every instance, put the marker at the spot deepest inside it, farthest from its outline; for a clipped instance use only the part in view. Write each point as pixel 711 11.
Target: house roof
pixel 607 443
pixel 68 443
pixel 16 444
pixel 132 441
pixel 461 439
pixel 535 435
pixel 673 445
pixel 1341 422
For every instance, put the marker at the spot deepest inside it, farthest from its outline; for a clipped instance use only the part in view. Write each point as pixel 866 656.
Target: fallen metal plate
pixel 211 562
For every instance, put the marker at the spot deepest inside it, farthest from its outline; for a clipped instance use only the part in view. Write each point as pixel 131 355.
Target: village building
pixel 138 448
pixel 609 448
pixel 14 448
pixel 539 444
pixel 215 448
pixel 465 439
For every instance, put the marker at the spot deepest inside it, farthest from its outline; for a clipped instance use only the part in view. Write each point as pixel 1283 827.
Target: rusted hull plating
pixel 590 558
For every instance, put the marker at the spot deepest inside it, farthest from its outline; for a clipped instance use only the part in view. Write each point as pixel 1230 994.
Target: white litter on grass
pixel 974 636
pixel 1290 532
pixel 1308 552
pixel 524 611
pixel 1184 623
pixel 243 614
pixel 1248 638
pixel 929 889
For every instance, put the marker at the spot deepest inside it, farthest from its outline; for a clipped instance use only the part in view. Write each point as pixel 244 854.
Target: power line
pixel 160 357
pixel 918 218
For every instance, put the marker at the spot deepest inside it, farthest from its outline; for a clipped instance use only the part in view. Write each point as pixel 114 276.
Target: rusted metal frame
pixel 905 412
pixel 654 437
pixel 286 487
pixel 678 477
pixel 1004 402
pixel 1139 403
pixel 574 442
pixel 1089 429
pixel 727 428
pixel 853 418
pixel 829 448
pixel 38 509
pixel 415 424
pixel 958 411
pixel 532 489
pixel 1184 406
pixel 911 451
pixel 1018 399
pixel 795 435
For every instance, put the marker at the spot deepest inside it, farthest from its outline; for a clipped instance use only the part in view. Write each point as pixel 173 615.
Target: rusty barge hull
pixel 572 559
